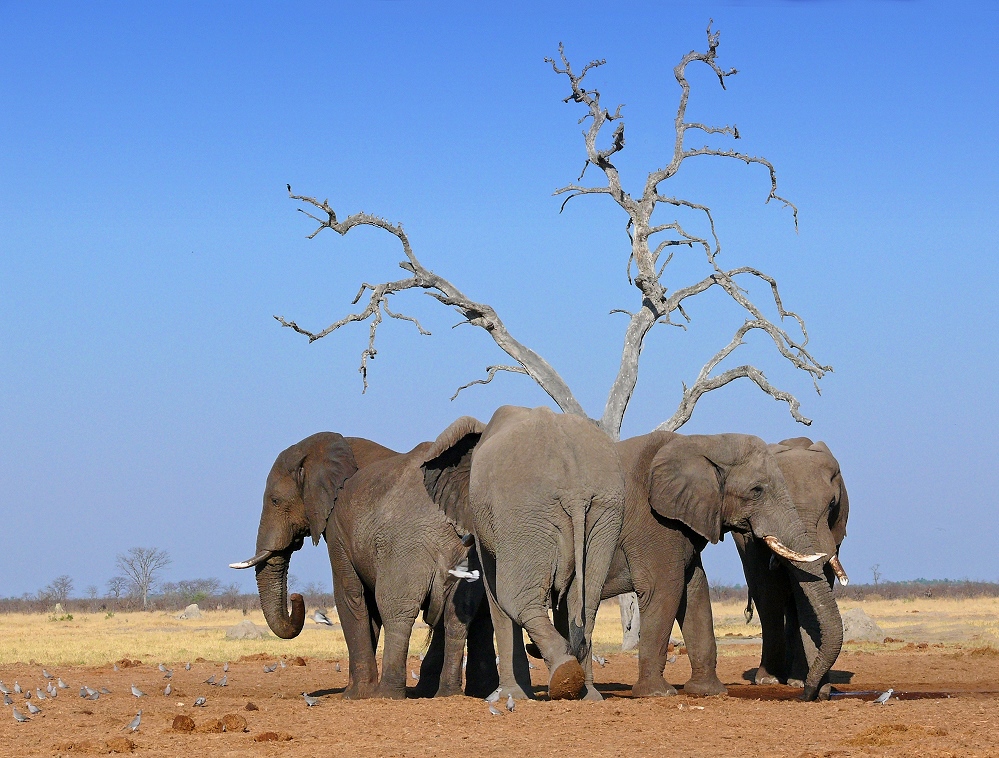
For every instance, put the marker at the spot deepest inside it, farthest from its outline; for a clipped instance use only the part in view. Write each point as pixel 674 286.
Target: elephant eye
pixel 757 492
pixel 275 501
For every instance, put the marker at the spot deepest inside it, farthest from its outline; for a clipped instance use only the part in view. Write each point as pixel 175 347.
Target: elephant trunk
pixel 272 586
pixel 816 606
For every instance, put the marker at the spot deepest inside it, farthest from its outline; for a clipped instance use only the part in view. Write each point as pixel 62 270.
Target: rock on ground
pixel 191 612
pixel 244 630
pixel 860 627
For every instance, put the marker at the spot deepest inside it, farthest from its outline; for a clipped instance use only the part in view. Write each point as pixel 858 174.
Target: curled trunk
pixel 272 586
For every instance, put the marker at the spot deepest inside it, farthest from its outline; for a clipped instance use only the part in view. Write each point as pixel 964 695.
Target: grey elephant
pixel 816 486
pixel 543 494
pixel 390 549
pixel 681 493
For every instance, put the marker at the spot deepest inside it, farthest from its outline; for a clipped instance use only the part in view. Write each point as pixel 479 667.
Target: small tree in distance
pixel 58 591
pixel 141 566
pixel 116 586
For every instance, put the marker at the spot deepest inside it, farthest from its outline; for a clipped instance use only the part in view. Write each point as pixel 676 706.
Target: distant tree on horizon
pixel 141 566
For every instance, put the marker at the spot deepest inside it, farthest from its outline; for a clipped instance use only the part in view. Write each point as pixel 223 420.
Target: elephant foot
pixel 516 691
pixel 705 687
pixel 795 683
pixel 591 693
pixel 566 680
pixel 448 691
pixel 390 691
pixel 817 693
pixel 652 687
pixel 359 691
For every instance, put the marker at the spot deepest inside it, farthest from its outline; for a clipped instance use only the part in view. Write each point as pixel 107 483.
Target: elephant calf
pixel 390 548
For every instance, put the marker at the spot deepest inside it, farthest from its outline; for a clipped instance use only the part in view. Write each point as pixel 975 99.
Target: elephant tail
pixel 578 511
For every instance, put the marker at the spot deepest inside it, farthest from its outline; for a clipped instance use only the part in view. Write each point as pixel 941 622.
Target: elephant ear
pixel 686 485
pixel 447 469
pixel 839 515
pixel 328 463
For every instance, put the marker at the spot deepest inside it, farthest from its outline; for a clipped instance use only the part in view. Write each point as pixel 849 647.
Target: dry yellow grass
pixel 93 639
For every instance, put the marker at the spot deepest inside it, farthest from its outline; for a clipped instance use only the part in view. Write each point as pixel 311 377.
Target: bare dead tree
pixel 653 243
pixel 141 566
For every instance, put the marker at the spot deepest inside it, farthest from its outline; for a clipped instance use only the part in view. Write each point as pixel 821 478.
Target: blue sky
pixel 146 240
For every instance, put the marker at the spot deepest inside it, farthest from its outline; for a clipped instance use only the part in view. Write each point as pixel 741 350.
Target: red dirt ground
pixel 740 724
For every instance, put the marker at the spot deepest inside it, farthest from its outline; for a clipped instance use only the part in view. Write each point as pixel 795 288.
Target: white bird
pixel 884 697
pixel 270 669
pixel 116 667
pixel 495 711
pixel 187 666
pixel 17 687
pixel 321 618
pixel 33 709
pixel 46 674
pixel 282 664
pixel 7 700
pixel 27 694
pixel 337 667
pixel 83 691
pixel 133 725
pixel 62 684
pixel 3 688
pixel 199 702
pixel 167 691
pixel 416 677
pixel 225 667
pixel 309 700
pixel 18 716
pixel 600 659
pixel 671 659
pixel 162 668
pixel 137 692
pixel 94 696
pixel 510 705
pixel 494 696
pixel 38 693
pixel 53 693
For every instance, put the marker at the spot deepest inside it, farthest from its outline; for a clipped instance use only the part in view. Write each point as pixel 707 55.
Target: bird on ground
pixel 884 697
pixel 309 700
pixel 510 705
pixel 600 659
pixel 223 681
pixel 52 694
pixel 137 692
pixel 46 674
pixel 116 667
pixel 94 696
pixel 187 666
pixel 27 694
pixel 83 691
pixel 33 709
pixel 7 700
pixel 270 669
pixel 199 702
pixel 168 674
pixel 38 693
pixel 161 667
pixel 133 725
pixel 4 689
pixel 168 690
pixel 18 716
pixel 17 687
pixel 494 696
pixel 282 664
pixel 104 691
pixel 416 677
pixel 337 667
pixel 225 667
pixel 495 711
pixel 321 618
pixel 62 684
pixel 671 659
pixel 210 680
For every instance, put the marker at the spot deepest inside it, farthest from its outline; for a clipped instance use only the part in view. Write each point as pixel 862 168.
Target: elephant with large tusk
pixel 816 486
pixel 390 550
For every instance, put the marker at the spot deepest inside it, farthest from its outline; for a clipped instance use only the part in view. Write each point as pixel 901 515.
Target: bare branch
pixel 492 373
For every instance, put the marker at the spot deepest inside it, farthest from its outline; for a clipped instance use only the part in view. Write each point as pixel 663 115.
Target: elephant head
pixel 816 486
pixel 717 483
pixel 299 496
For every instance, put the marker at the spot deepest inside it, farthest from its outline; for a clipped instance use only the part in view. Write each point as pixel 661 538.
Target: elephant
pixel 390 548
pixel 681 492
pixel 543 494
pixel 816 486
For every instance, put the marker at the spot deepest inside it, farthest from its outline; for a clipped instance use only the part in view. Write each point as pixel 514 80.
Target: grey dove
pixel 133 725
pixel 33 709
pixel 199 702
pixel 167 691
pixel 321 618
pixel 884 697
pixel 46 674
pixel 309 700
pixel 62 684
pixel 18 716
pixel 137 692
pixel 495 711
pixel 510 705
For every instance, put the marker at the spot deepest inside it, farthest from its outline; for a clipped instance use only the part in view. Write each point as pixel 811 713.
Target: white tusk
pixel 260 557
pixel 785 552
pixel 838 570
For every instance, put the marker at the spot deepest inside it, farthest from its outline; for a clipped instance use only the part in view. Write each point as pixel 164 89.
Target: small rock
pixel 252 707
pixel 272 737
pixel 233 722
pixel 297 661
pixel 859 627
pixel 214 726
pixel 191 612
pixel 244 630
pixel 183 723
pixel 120 745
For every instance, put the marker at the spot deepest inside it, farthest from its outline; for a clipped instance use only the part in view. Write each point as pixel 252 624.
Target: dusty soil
pixel 749 721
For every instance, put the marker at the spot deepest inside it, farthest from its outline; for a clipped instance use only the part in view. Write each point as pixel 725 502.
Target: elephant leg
pixel 514 670
pixel 455 635
pixel 697 626
pixel 801 648
pixel 773 598
pixel 394 657
pixel 432 665
pixel 357 625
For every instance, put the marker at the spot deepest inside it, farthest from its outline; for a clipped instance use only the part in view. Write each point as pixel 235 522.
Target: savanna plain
pixel 942 660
